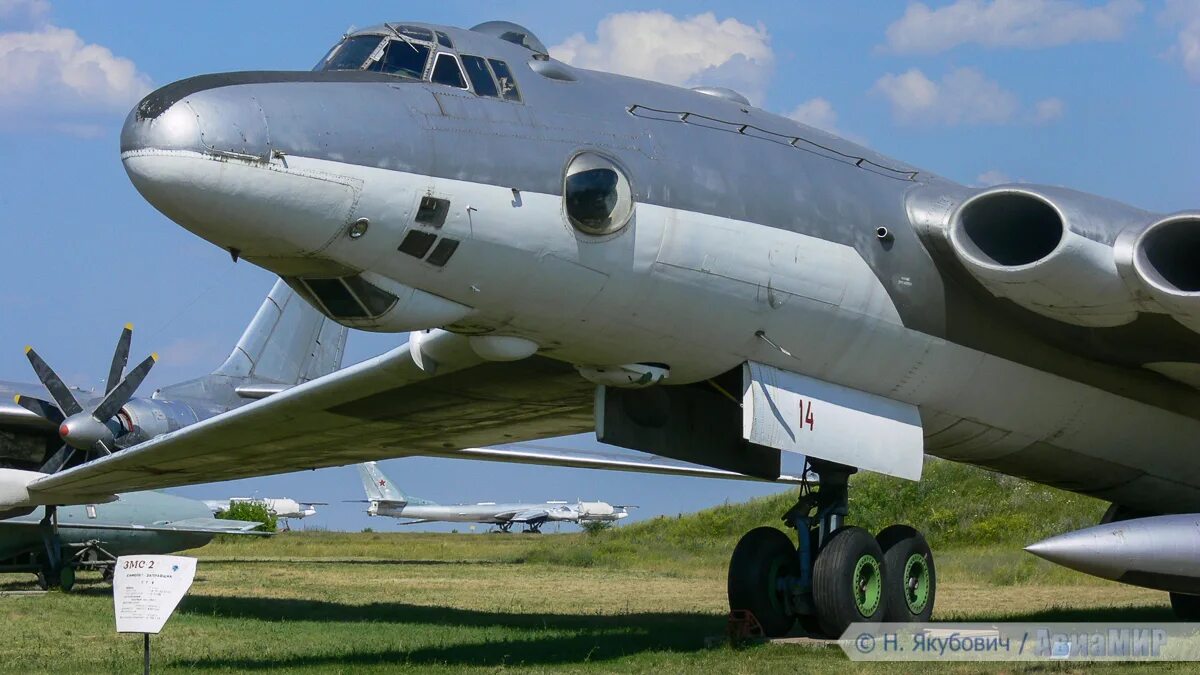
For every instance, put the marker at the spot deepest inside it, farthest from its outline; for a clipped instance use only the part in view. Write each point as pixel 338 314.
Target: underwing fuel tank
pixel 1160 552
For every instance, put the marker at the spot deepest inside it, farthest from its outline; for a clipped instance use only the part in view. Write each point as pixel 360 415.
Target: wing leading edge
pixel 430 397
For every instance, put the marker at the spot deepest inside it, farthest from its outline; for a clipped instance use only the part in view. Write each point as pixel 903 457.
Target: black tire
pixel 1186 607
pixel 762 557
pixel 848 581
pixel 66 579
pixel 910 581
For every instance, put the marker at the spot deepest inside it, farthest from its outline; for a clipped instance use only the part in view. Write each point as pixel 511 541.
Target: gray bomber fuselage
pixel 459 513
pixel 692 156
pixel 134 508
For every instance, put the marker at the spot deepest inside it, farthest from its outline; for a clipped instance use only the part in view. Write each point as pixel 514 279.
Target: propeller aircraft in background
pixel 90 537
pixel 385 499
pixel 683 274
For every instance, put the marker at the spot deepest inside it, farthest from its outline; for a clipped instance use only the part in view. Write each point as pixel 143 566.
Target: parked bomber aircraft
pixel 681 272
pixel 385 499
pixel 92 536
pixel 285 344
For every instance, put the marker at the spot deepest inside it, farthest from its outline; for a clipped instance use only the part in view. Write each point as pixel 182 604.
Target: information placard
pixel 147 588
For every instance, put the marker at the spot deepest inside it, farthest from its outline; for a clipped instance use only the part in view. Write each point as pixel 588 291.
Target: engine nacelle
pixel 143 419
pixel 1165 260
pixel 1049 250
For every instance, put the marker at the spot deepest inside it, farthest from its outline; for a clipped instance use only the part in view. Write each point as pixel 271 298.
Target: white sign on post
pixel 146 589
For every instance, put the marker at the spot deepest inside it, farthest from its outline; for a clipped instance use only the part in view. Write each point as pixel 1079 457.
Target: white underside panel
pixel 799 414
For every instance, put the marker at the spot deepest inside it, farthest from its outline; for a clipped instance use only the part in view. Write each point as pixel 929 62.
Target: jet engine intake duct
pixel 1048 250
pixel 1166 261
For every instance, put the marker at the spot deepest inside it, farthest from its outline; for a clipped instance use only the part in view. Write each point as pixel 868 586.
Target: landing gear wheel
pixel 848 581
pixel 910 579
pixel 762 558
pixel 108 573
pixel 66 579
pixel 1186 607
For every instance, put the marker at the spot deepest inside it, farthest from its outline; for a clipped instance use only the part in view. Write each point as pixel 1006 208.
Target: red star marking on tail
pixel 382 483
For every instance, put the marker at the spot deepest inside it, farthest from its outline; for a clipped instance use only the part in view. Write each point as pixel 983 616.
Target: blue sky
pixel 1099 96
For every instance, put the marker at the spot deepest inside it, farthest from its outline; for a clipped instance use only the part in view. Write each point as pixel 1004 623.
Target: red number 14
pixel 806 414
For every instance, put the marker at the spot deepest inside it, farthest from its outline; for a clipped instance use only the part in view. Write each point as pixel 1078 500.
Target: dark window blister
pixel 432 211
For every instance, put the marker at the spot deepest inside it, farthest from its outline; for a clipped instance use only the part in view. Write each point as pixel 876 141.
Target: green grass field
pixel 638 598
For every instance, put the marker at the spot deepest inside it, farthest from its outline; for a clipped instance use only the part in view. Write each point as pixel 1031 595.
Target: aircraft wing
pixel 529 515
pixel 401 403
pixel 15 418
pixel 388 406
pixel 188 525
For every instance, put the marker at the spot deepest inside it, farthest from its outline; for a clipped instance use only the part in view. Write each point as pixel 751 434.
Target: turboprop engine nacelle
pixel 1049 250
pixel 1164 261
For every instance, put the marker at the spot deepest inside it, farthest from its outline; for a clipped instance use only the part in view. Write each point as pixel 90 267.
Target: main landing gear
pixel 838 575
pixel 56 571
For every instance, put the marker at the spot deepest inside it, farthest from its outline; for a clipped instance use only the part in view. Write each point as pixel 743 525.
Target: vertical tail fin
pixel 378 486
pixel 287 342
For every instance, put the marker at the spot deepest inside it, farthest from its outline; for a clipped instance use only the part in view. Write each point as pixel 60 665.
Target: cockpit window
pixel 446 71
pixel 444 40
pixel 402 58
pixel 352 53
pixel 508 85
pixel 413 32
pixel 481 77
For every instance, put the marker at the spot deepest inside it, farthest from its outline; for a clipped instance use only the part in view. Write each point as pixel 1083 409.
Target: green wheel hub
pixel 868 585
pixel 916 583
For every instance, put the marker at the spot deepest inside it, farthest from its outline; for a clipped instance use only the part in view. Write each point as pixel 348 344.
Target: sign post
pixel 146 590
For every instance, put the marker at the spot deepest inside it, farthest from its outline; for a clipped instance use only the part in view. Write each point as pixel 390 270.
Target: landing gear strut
pixel 838 574
pixel 56 572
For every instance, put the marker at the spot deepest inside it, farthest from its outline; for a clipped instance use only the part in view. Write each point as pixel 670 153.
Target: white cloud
pixel 1028 24
pixel 816 112
pixel 963 96
pixel 992 177
pixel 684 52
pixel 1048 109
pixel 1186 15
pixel 51 78
pixel 24 12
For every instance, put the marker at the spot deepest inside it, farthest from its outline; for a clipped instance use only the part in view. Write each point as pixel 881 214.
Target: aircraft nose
pixel 199 151
pixel 175 128
pixel 209 113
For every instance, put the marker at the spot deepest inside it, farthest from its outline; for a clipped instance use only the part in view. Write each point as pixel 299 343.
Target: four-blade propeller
pixel 90 431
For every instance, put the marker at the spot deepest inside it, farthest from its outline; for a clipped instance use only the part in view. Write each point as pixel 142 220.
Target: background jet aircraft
pixel 280 507
pixel 386 499
pixel 681 272
pixel 92 536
